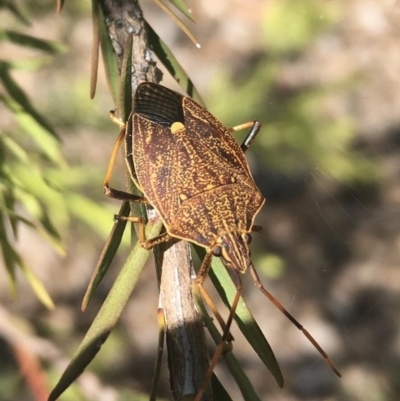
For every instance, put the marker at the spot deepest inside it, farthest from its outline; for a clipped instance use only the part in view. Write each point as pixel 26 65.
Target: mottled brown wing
pixel 151 146
pixel 207 155
pixel 180 171
pixel 153 153
pixel 219 142
pixel 217 191
pixel 205 135
pixel 207 216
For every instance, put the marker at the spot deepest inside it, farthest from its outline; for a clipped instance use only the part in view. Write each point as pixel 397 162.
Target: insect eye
pixel 247 237
pixel 217 251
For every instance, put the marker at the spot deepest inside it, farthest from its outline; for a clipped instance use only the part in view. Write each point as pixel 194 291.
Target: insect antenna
pixel 260 286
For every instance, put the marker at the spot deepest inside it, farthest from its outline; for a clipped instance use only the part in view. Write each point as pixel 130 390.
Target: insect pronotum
pixel 194 173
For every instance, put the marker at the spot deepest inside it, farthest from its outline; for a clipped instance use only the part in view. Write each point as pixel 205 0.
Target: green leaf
pixel 125 108
pixel 172 65
pixel 9 255
pixel 13 192
pixel 47 204
pixel 18 151
pixel 32 42
pixel 36 285
pixel 125 86
pixel 20 102
pixel 15 9
pixel 7 198
pixel 183 8
pixel 11 259
pixel 44 138
pixel 107 254
pixel 96 216
pixel 109 60
pixel 35 208
pixel 95 47
pixel 30 63
pixel 108 314
pixel 219 391
pixel 178 22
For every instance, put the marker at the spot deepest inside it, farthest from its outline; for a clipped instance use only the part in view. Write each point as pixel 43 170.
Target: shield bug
pixel 194 173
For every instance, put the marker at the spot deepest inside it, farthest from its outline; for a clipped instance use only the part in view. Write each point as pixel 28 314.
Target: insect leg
pixel 225 336
pixel 255 129
pixel 115 193
pixel 260 286
pixel 148 244
pixel 201 276
pixel 145 243
pixel 140 221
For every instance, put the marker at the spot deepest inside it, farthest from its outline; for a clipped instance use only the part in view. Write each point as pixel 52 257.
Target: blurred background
pixel 323 78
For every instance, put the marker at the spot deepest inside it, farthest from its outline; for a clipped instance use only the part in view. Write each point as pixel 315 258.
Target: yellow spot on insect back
pixel 176 127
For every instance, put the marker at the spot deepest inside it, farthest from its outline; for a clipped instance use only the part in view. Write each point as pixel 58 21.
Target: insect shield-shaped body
pixel 192 170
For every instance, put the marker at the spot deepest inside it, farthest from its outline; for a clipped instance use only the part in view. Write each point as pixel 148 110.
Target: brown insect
pixel 194 173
